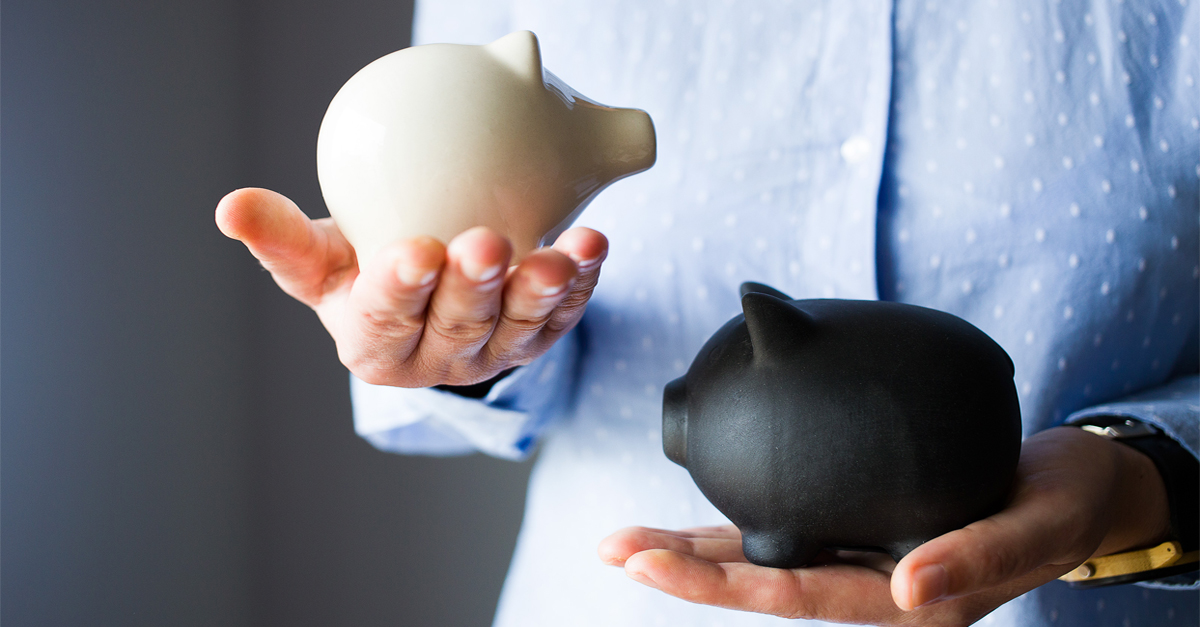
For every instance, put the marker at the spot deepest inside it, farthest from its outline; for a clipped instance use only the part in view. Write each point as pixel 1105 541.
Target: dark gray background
pixel 176 445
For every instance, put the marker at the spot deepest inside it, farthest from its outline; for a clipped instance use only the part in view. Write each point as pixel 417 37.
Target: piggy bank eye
pixel 519 52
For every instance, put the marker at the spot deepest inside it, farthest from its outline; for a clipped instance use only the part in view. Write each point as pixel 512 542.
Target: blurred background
pixel 176 446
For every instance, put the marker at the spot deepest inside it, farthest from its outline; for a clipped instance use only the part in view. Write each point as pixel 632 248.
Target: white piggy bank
pixel 433 140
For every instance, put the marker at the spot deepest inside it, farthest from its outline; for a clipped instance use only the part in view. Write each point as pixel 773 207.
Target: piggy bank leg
pixel 777 549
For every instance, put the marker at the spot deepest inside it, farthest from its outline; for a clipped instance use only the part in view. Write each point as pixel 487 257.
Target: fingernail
pixel 929 584
pixel 479 273
pixel 547 290
pixel 584 264
pixel 413 277
pixel 641 578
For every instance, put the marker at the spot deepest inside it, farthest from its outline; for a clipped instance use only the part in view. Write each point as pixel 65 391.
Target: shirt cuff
pixel 1173 408
pixel 506 423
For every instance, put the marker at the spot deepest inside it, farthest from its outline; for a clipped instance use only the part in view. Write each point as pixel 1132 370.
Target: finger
pixel 464 307
pixel 383 318
pixel 304 256
pixel 531 293
pixel 617 548
pixel 722 531
pixel 585 246
pixel 869 559
pixel 588 249
pixel 837 592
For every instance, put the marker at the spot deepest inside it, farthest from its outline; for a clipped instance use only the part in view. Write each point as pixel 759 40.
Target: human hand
pixel 421 313
pixel 1076 495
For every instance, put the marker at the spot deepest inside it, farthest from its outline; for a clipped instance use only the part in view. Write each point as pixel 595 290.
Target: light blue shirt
pixel 1029 166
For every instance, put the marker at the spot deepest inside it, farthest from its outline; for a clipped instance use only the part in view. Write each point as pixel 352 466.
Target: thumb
pixel 989 553
pixel 301 254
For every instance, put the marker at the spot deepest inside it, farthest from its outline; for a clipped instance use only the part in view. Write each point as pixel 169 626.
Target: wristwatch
pixel 1181 475
pixel 477 390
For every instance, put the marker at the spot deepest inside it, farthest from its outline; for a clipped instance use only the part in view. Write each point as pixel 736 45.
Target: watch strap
pixel 475 390
pixel 1157 562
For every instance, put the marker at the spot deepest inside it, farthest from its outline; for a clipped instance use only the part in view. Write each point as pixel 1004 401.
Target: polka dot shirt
pixel 1032 167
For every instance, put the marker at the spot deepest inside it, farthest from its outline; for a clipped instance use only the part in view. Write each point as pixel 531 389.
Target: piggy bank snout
pixel 623 142
pixel 675 421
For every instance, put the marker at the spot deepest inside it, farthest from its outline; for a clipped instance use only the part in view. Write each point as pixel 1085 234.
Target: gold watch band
pixel 1164 555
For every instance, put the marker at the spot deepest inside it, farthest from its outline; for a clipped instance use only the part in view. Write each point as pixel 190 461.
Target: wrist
pixel 1154 529
pixel 1141 508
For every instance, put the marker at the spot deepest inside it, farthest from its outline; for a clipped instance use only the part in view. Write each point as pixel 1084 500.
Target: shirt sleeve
pixel 506 423
pixel 1175 409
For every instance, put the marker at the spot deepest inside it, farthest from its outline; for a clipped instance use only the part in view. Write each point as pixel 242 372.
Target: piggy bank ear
pixel 774 324
pixel 519 52
pixel 751 286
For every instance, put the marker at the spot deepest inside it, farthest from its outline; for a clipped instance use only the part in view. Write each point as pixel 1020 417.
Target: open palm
pixel 421 313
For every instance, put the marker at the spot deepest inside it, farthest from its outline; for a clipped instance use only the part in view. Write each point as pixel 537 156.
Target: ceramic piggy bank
pixel 435 139
pixel 863 425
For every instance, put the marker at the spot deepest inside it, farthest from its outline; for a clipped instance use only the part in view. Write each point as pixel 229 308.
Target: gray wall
pixel 175 438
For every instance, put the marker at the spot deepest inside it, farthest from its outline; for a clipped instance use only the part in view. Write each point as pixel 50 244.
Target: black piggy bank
pixel 840 424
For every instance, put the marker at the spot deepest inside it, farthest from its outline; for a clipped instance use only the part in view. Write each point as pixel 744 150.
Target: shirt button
pixel 856 149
